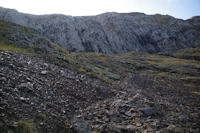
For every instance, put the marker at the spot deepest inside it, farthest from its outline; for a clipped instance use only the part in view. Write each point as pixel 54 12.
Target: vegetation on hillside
pixel 25 40
pixel 173 76
pixel 182 66
pixel 25 127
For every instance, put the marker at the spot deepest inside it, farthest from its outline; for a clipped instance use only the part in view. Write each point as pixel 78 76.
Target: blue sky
pixel 178 8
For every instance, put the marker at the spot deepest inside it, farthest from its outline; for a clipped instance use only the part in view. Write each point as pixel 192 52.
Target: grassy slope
pixel 192 53
pixel 116 67
pixel 181 66
pixel 25 40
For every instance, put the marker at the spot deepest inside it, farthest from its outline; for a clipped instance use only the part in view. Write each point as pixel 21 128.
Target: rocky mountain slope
pixel 29 41
pixel 43 88
pixel 40 97
pixel 47 94
pixel 112 32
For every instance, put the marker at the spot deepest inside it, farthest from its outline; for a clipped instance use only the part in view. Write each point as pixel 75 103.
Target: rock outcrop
pixel 112 32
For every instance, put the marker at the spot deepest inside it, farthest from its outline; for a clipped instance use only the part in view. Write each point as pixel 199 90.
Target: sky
pixel 183 9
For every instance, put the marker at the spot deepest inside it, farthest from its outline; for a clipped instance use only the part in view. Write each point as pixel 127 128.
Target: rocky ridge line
pixel 112 32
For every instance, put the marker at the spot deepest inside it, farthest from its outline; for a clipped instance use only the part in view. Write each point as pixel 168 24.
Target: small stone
pixel 89 117
pixel 131 127
pixel 35 101
pixel 144 126
pixel 138 124
pixel 63 111
pixel 3 79
pixel 81 126
pixel 78 116
pixel 27 87
pixel 128 113
pixel 46 64
pixel 2 114
pixel 102 90
pixel 29 62
pixel 154 124
pixel 132 110
pixel 22 98
pixel 44 72
pixel 115 119
pixel 170 127
pixel 147 111
pixel 194 115
pixel 179 130
pixel 122 110
pixel 120 128
pixel 106 119
pixel 144 131
pixel 182 118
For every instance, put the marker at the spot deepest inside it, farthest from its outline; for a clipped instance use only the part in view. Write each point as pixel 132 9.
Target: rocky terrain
pixel 57 99
pixel 112 32
pixel 31 88
pixel 44 88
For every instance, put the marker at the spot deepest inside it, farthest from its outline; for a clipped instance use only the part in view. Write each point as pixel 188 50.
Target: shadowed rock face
pixel 112 32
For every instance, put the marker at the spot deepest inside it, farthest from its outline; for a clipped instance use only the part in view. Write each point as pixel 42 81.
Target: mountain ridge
pixel 111 33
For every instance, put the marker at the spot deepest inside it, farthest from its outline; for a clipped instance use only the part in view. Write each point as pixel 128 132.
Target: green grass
pixel 25 127
pixel 42 116
pixel 115 67
pixel 11 48
pixel 196 92
pixel 17 49
pixel 190 53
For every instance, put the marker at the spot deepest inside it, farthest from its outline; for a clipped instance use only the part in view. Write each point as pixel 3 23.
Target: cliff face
pixel 112 32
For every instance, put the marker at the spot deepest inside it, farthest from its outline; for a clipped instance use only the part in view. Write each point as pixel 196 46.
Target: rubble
pixel 61 100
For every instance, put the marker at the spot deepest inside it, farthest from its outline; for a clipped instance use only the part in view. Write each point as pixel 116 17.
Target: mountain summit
pixel 113 32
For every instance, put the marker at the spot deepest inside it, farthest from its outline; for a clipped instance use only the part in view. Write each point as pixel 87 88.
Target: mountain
pixel 26 40
pixel 112 33
pixel 44 88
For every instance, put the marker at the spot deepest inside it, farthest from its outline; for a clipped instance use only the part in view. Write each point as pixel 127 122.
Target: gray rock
pixel 115 118
pixel 89 117
pixel 26 87
pixel 44 72
pixel 147 111
pixel 81 126
pixel 112 32
pixel 3 79
pixel 128 113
